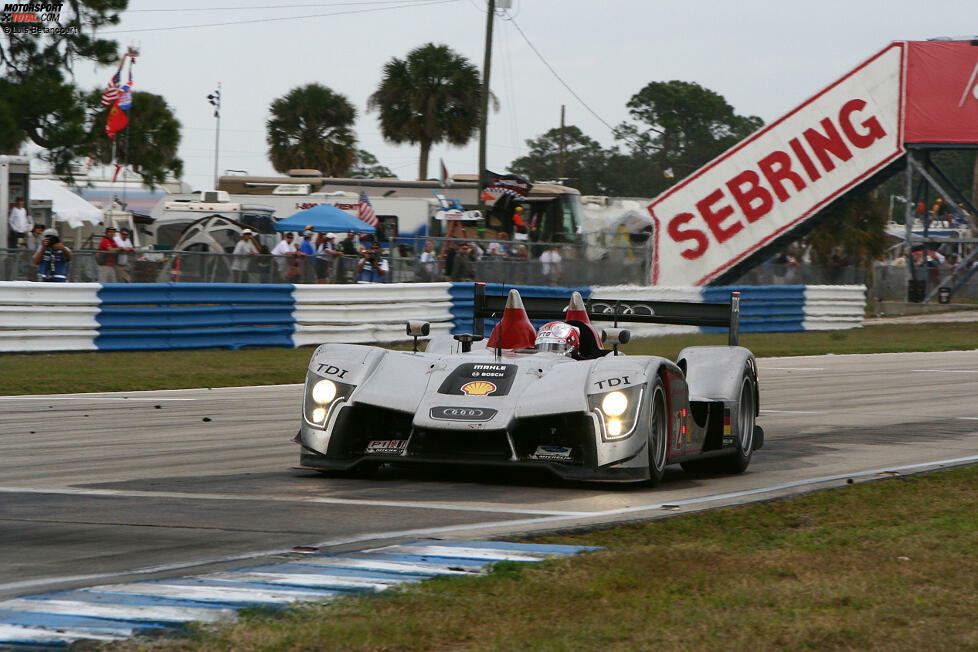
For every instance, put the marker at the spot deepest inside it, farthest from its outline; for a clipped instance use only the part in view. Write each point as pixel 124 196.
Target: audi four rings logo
pixel 623 309
pixel 462 413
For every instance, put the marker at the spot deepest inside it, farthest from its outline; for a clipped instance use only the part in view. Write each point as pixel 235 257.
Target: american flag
pixel 112 91
pixel 125 98
pixel 365 211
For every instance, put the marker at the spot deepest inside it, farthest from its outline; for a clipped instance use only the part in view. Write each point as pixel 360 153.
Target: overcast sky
pixel 763 56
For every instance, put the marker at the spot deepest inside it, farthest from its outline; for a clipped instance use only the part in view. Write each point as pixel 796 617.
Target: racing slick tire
pixel 746 417
pixel 658 441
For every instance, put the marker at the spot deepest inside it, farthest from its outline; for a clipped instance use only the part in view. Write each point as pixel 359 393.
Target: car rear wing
pixel 683 313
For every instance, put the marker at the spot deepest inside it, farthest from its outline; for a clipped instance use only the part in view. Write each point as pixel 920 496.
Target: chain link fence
pixel 448 260
pixel 572 266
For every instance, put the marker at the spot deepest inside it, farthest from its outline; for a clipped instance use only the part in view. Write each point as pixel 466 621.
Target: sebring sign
pixel 781 175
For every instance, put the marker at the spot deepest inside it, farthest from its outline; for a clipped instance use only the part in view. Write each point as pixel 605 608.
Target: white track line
pixel 290 499
pixel 764 368
pixel 792 412
pixel 945 371
pixel 155 391
pixel 90 398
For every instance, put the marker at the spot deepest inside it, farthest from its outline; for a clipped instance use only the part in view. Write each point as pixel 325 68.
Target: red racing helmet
pixel 558 337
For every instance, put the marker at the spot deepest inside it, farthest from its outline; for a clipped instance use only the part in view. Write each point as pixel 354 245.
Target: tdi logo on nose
pixel 612 382
pixel 331 370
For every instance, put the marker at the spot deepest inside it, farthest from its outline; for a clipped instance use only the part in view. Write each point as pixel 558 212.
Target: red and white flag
pixel 365 211
pixel 112 90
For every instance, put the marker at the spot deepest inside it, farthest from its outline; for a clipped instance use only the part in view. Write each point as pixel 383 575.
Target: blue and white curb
pixel 117 611
pixel 168 316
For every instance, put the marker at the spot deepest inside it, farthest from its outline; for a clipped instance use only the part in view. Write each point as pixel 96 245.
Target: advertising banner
pixel 942 93
pixel 781 175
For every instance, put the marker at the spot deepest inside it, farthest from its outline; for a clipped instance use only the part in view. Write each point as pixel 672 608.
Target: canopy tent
pixel 324 219
pixel 66 205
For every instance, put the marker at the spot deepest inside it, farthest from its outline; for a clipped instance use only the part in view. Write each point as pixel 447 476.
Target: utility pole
pixel 560 171
pixel 487 60
pixel 215 100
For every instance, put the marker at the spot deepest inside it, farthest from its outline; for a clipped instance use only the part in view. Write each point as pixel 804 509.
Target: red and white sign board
pixel 942 93
pixel 781 175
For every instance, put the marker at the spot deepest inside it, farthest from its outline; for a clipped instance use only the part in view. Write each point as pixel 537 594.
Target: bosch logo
pixel 447 413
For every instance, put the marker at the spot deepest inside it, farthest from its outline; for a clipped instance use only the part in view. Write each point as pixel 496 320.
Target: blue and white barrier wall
pixel 763 309
pixel 166 316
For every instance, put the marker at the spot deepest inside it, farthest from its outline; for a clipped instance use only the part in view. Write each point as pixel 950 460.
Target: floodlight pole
pixel 487 60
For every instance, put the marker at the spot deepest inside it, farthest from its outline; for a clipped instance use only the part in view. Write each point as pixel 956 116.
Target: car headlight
pixel 614 403
pixel 617 411
pixel 324 391
pixel 322 396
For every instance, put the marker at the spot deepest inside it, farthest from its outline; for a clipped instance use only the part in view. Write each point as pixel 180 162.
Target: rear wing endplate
pixel 682 313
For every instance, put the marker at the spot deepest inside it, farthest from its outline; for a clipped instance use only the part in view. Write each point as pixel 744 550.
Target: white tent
pixel 66 205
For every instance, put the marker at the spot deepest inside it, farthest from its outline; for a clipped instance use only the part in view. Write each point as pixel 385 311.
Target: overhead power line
pixel 263 7
pixel 559 78
pixel 281 18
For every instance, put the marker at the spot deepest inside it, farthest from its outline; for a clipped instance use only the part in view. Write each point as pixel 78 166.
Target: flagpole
pixel 217 135
pixel 484 117
pixel 125 186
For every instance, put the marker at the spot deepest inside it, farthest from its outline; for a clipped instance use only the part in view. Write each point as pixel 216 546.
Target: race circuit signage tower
pixel 770 184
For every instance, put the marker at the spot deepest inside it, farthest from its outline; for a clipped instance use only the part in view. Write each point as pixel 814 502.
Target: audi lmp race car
pixel 554 399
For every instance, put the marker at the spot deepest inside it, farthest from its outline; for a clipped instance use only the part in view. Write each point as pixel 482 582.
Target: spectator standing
pixel 307 255
pixel 20 224
pixel 123 264
pixel 306 247
pixel 428 264
pixel 349 250
pixel 373 267
pixel 550 264
pixel 326 255
pixel 462 263
pixel 34 238
pixel 285 253
pixel 52 259
pixel 498 248
pixel 105 258
pixel 244 248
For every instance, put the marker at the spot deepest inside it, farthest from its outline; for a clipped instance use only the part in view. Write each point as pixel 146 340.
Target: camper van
pixel 175 213
pixel 408 208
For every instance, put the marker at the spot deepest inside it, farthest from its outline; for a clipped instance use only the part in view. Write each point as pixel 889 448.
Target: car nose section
pixel 445 412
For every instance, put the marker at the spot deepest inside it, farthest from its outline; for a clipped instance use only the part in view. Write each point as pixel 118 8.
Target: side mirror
pixel 466 339
pixel 416 329
pixel 615 336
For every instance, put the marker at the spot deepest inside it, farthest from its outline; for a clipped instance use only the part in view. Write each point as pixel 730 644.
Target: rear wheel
pixel 658 434
pixel 746 415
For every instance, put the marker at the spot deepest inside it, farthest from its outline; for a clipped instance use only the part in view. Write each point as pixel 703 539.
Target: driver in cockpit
pixel 558 337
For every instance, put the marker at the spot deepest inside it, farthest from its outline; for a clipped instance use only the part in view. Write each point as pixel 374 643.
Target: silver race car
pixel 551 398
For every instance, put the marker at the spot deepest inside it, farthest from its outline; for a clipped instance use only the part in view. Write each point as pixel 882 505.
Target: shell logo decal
pixel 478 388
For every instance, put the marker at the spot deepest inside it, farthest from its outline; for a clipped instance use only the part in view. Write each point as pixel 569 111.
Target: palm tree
pixel 311 127
pixel 430 96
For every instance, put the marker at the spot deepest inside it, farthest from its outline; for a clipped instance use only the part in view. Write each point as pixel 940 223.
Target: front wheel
pixel 658 434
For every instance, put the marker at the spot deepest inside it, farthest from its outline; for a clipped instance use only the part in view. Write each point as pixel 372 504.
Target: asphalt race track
pixel 100 488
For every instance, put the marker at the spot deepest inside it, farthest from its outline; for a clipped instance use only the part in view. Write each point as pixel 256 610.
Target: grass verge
pixel 880 565
pixel 43 373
